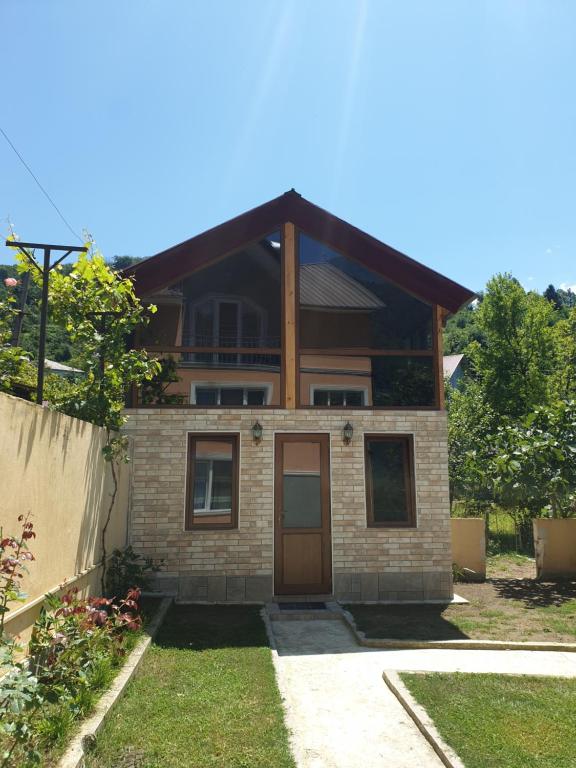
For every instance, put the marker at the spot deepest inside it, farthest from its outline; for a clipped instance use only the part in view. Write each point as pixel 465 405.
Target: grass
pixel 510 565
pixel 502 532
pixel 501 721
pixel 502 536
pixel 206 697
pixel 508 606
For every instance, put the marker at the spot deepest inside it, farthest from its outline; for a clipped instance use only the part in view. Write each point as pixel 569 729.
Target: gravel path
pixel 340 712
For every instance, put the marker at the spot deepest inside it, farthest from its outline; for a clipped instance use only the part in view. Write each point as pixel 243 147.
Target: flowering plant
pixel 73 635
pixel 76 644
pixel 14 554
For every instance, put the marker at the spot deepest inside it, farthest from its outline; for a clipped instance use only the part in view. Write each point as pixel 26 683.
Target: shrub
pixel 127 570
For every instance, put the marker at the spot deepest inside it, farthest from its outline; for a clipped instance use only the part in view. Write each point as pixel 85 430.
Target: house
pixel 297 442
pixel 59 369
pixel 453 369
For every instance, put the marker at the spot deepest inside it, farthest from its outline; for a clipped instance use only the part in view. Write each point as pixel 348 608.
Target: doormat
pixel 302 606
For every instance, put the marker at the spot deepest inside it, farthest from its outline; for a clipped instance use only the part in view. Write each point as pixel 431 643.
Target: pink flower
pixel 11 282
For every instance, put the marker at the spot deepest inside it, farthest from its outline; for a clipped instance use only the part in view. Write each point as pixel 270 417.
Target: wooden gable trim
pixel 171 265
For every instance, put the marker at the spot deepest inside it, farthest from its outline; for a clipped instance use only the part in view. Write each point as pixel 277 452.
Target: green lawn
pixel 205 697
pixel 502 721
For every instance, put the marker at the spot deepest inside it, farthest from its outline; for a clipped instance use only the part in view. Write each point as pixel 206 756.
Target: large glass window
pixel 363 341
pixel 389 480
pixel 212 498
pixel 221 324
pixel 344 304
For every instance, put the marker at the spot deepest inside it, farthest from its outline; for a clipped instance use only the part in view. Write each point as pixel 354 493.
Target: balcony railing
pixel 231 340
pixel 183 366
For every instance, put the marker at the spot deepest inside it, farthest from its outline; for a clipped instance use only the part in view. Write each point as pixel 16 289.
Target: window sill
pixel 391 526
pixel 196 528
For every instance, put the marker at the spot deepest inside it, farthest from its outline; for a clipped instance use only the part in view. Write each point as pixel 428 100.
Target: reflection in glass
pixel 343 305
pixel 348 381
pixel 236 301
pixel 213 477
pixel 388 475
pixel 301 485
pixel 402 381
pixel 232 303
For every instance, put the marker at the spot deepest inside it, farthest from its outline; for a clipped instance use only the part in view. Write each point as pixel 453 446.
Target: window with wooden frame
pixel 212 489
pixel 359 331
pixel 390 490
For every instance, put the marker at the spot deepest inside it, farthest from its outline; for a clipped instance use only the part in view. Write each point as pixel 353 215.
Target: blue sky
pixel 446 128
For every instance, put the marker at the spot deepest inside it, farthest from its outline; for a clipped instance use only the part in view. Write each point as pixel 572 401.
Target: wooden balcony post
pixel 439 355
pixel 289 315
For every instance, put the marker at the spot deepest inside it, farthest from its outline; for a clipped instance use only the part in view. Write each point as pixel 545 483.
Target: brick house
pixel 296 443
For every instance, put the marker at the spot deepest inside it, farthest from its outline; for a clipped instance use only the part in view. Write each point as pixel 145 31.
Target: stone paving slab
pixel 343 716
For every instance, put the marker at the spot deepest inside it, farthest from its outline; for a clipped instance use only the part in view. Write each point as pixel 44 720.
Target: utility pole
pixel 44 270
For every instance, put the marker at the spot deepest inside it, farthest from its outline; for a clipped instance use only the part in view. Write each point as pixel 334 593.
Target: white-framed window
pixel 230 394
pixel 212 487
pixel 339 397
pixel 213 478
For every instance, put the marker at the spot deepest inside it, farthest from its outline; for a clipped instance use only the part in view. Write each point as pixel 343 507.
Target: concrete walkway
pixel 340 712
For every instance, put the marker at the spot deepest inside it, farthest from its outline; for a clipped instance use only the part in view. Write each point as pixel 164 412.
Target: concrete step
pixel 298 613
pixel 303 599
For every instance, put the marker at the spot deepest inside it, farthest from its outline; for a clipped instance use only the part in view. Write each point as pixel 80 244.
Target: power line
pixel 31 172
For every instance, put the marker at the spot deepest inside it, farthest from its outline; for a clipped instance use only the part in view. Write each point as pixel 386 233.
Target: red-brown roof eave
pixel 170 265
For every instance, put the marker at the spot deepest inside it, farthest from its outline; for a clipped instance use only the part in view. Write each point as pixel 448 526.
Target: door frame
pixel 326 587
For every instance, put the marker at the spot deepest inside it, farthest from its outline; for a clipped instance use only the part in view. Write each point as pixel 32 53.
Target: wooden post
pixel 439 355
pixel 289 319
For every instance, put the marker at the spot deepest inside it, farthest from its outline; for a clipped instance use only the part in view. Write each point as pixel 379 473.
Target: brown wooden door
pixel 302 553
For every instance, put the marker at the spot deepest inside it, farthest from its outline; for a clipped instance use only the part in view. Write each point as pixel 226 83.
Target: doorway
pixel 302 549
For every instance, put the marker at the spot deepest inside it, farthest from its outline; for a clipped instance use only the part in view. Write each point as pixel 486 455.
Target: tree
pixel 462 329
pixel 121 262
pixel 514 363
pixel 78 303
pixel 470 424
pixel 533 466
pixel 551 295
pixel 564 376
pixel 13 360
pixel 567 298
pixel 58 344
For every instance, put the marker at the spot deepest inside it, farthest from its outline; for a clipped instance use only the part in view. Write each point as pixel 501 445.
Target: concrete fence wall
pixel 51 466
pixel 555 548
pixel 469 544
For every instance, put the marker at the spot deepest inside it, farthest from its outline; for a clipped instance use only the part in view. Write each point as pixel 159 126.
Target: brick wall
pixel 237 565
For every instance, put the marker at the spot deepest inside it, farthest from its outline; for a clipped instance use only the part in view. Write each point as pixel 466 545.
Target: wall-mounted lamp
pixel 257 431
pixel 347 433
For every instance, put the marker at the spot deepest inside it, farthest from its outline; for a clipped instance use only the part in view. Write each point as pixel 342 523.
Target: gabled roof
pixel 175 263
